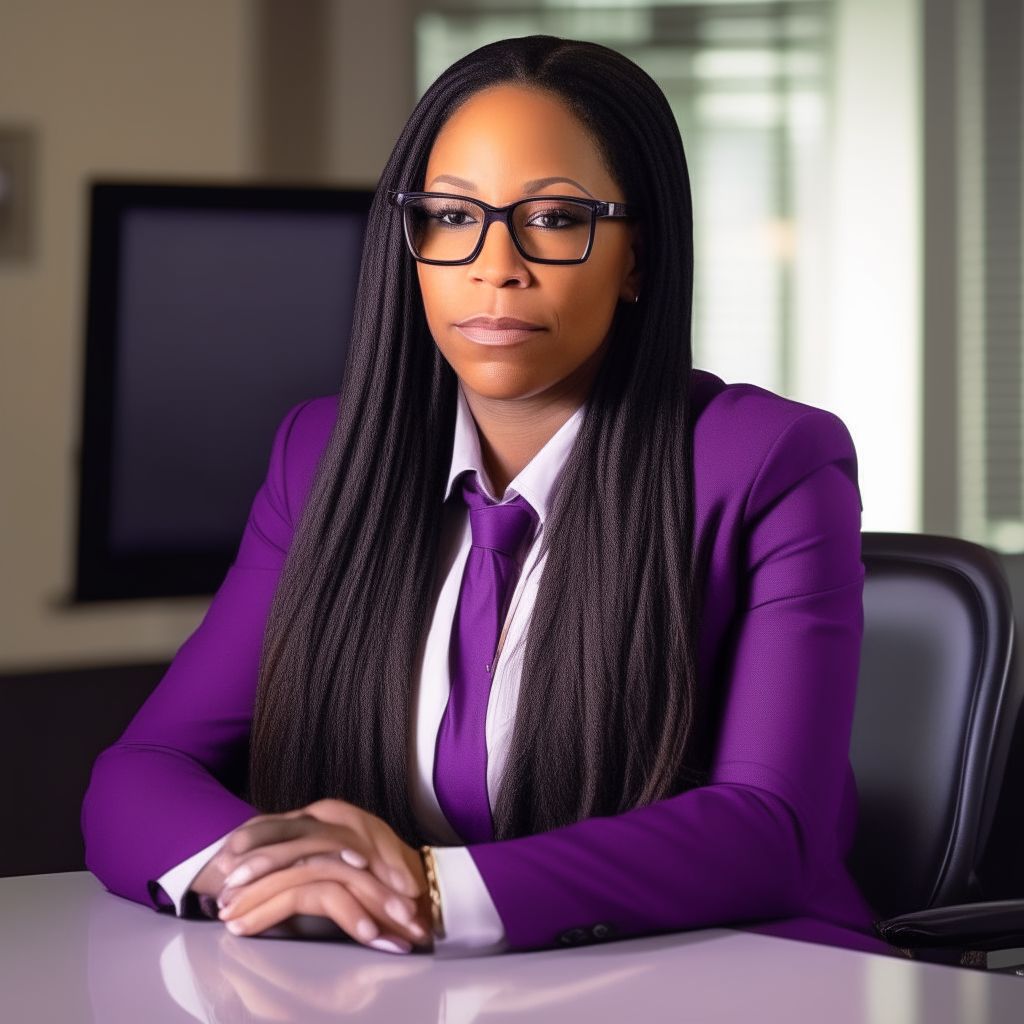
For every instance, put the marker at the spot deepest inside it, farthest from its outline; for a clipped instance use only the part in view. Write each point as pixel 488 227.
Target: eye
pixel 453 217
pixel 553 218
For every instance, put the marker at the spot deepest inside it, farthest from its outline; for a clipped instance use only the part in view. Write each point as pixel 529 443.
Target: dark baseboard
pixel 53 725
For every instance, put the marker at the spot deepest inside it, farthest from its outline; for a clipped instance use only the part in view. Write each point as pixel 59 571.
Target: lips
pixel 499 330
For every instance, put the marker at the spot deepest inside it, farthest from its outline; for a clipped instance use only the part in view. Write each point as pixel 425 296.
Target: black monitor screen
pixel 212 311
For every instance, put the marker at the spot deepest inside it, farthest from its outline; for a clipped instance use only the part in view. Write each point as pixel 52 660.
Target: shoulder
pixel 749 440
pixel 300 443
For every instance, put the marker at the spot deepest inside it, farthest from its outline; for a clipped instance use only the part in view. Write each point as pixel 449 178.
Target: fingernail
pixel 416 930
pixel 366 930
pixel 390 945
pixel 225 898
pixel 398 911
pixel 400 882
pixel 353 859
pixel 240 876
pixel 235 927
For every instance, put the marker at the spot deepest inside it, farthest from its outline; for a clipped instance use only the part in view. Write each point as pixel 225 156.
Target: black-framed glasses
pixel 448 229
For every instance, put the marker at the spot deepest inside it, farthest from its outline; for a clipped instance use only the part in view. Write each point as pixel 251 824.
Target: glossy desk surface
pixel 70 952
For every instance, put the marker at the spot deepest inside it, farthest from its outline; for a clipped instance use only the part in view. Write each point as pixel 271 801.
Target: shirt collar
pixel 536 482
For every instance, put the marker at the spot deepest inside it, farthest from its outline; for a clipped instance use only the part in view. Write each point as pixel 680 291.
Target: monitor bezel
pixel 101 574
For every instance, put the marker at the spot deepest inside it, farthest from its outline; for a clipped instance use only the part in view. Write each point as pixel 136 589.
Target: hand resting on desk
pixel 330 859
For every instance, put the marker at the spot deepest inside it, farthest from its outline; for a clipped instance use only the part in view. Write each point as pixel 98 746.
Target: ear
pixel 630 290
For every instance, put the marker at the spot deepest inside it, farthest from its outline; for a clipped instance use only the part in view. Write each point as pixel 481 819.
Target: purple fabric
pixel 777 525
pixel 460 767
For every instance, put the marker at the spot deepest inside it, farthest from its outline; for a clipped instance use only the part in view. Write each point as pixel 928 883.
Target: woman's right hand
pixel 330 859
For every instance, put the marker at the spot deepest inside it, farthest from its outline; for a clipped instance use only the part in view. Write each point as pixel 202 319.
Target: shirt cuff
pixel 472 926
pixel 175 883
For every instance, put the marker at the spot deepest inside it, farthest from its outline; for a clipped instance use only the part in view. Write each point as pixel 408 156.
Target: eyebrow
pixel 450 179
pixel 537 184
pixel 529 188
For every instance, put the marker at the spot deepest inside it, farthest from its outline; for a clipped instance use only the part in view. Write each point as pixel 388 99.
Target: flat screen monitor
pixel 212 310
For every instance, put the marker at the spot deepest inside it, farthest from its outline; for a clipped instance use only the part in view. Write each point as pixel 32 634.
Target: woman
pixel 533 592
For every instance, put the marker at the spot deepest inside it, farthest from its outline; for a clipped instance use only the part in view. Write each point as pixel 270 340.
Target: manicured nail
pixel 400 882
pixel 240 876
pixel 225 897
pixel 366 930
pixel 235 927
pixel 398 911
pixel 353 859
pixel 390 945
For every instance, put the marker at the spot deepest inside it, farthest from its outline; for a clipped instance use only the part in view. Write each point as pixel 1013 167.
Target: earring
pixel 636 298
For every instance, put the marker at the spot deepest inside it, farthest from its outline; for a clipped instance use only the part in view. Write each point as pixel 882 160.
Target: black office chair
pixel 936 707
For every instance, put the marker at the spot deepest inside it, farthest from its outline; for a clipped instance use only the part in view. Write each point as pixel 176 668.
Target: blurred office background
pixel 856 169
pixel 856 178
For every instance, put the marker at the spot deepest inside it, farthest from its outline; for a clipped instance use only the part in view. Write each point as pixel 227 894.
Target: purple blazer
pixel 778 520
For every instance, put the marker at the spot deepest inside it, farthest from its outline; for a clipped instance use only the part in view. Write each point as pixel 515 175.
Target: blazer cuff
pixel 472 925
pixel 175 883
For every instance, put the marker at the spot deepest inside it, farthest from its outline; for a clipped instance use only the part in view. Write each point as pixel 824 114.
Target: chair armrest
pixel 995 925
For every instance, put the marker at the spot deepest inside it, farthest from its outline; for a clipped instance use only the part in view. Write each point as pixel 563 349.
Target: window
pixel 802 126
pixel 747 83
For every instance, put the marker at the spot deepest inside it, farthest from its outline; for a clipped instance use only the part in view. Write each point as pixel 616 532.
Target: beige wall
pixel 373 84
pixel 130 88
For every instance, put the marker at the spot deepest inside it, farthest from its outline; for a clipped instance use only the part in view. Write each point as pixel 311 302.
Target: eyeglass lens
pixel 448 230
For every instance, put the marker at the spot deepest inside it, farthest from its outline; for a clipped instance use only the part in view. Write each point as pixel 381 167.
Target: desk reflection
pixel 150 967
pixel 204 973
pixel 221 979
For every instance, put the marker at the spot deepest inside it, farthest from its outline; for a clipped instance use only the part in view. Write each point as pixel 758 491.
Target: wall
pixel 160 89
pixel 114 88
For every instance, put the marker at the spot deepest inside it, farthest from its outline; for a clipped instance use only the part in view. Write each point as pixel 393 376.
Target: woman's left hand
pixel 330 859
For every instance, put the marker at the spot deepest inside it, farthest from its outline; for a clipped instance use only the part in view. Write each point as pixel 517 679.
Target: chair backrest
pixel 936 706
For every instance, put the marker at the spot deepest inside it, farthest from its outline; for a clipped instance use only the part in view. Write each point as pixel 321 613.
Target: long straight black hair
pixel 609 713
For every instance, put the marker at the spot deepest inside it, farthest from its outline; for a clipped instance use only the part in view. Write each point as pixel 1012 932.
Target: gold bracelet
pixel 430 870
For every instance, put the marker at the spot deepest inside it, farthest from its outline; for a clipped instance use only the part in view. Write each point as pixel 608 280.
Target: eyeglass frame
pixel 503 214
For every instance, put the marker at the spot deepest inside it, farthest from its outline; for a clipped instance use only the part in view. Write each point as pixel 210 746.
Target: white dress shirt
pixel 472 924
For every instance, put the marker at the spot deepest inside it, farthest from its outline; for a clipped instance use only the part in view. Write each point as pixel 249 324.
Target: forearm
pixel 712 856
pixel 147 810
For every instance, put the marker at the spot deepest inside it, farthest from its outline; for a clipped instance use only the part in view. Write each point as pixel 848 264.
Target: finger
pixel 391 865
pixel 267 829
pixel 406 868
pixel 339 842
pixel 383 904
pixel 324 899
pixel 252 836
pixel 391 859
pixel 306 899
pixel 388 906
pixel 390 911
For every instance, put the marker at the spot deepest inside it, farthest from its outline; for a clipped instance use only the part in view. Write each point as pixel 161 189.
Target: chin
pixel 502 387
pixel 497 393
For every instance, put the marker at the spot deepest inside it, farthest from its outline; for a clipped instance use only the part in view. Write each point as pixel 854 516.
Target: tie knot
pixel 497 527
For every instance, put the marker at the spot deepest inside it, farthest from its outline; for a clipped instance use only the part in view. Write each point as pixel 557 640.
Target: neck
pixel 513 430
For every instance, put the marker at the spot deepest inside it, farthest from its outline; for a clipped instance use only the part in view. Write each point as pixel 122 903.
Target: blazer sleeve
pixel 757 842
pixel 167 788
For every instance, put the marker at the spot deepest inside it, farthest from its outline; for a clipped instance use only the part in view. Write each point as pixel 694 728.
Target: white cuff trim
pixel 471 922
pixel 176 882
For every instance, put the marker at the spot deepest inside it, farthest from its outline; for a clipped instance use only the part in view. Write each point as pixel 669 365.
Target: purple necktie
pixel 460 764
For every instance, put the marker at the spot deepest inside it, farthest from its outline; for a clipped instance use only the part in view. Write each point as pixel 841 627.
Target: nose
pixel 499 263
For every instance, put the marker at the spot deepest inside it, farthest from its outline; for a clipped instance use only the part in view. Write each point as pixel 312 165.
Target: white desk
pixel 70 953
